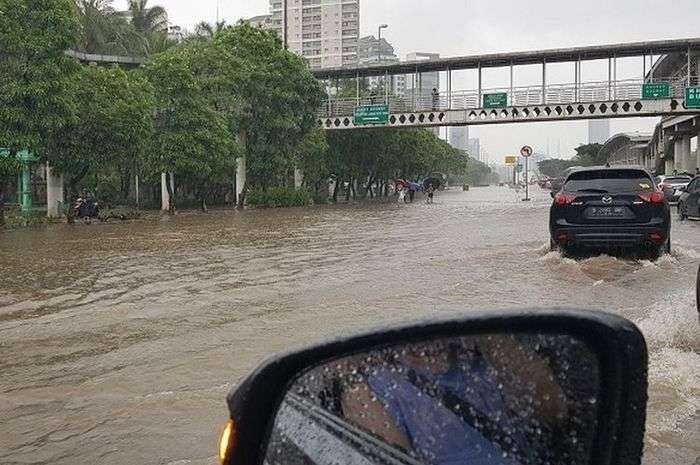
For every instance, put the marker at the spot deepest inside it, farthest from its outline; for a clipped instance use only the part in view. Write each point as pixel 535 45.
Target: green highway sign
pixel 499 100
pixel 692 97
pixel 656 90
pixel 371 114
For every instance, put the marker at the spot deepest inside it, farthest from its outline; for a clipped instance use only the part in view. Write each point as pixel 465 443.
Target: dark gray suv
pixel 610 208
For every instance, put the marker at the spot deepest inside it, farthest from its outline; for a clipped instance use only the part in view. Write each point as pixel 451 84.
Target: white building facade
pixel 324 32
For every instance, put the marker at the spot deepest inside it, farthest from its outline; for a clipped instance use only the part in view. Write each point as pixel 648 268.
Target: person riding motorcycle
pixel 85 205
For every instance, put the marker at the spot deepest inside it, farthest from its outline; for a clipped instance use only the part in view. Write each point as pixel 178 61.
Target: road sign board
pixel 692 97
pixel 499 100
pixel 371 114
pixel 656 90
pixel 511 159
pixel 526 151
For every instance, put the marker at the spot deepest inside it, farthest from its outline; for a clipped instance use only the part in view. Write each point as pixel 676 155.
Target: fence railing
pixel 552 94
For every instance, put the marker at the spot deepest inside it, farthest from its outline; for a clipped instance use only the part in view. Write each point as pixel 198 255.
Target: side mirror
pixel 552 194
pixel 506 388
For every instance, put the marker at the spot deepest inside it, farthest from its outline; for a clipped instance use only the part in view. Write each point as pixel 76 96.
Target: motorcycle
pixel 85 207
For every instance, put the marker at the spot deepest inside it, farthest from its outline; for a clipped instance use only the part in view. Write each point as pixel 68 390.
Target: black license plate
pixel 607 212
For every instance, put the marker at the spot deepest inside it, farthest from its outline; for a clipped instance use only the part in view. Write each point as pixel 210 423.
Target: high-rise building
pixel 325 32
pixel 598 131
pixel 371 52
pixel 458 137
pixel 474 149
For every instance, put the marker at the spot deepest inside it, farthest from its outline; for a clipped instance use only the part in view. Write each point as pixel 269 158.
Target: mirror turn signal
pixel 226 441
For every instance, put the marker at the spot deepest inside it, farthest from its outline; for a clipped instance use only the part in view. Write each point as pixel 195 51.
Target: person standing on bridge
pixel 436 98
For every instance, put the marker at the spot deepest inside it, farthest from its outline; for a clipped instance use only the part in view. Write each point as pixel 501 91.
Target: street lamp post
pixel 379 57
pixel 379 41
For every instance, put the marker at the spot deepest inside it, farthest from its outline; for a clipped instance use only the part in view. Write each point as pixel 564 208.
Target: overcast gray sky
pixel 462 27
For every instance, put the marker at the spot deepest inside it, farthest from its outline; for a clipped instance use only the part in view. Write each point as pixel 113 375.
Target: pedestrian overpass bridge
pixel 647 95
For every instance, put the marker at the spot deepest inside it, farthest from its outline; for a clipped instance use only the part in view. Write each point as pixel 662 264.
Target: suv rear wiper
pixel 595 191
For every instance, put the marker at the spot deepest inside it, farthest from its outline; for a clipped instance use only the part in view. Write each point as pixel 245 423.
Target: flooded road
pixel 119 342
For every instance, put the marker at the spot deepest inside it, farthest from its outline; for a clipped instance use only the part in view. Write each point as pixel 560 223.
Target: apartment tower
pixel 324 32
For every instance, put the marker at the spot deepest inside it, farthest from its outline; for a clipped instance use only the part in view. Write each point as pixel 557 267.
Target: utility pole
pixel 284 21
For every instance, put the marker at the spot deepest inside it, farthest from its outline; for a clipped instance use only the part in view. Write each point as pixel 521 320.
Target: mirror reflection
pixel 486 399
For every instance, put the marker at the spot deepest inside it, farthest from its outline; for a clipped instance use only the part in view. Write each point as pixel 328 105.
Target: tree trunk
pixel 368 190
pixel 352 188
pixel 347 191
pixel 171 193
pixel 241 201
pixel 335 189
pixel 203 199
pixel 125 181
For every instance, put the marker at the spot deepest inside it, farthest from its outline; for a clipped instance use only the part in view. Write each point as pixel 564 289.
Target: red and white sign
pixel 526 151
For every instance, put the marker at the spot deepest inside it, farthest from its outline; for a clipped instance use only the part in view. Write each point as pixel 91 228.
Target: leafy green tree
pixel 34 72
pixel 311 156
pixel 192 139
pixel 111 125
pixel 590 155
pixel 276 99
pixel 9 167
pixel 555 167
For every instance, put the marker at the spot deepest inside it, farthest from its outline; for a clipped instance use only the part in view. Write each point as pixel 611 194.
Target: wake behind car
pixel 608 209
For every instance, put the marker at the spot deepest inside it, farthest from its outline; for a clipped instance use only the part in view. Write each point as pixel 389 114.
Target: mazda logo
pixel 607 199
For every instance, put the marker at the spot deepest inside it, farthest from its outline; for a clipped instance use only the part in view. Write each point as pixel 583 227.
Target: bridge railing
pixel 552 94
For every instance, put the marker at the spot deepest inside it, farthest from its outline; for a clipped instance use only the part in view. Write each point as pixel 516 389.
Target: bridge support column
pixel 54 193
pixel 298 178
pixel 164 195
pixel 668 166
pixel 681 153
pixel 240 178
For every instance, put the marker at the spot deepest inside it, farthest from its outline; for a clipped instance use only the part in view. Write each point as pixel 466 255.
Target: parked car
pixel 609 208
pixel 689 201
pixel 672 186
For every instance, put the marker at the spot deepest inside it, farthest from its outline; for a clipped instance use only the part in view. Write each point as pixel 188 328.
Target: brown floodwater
pixel 119 342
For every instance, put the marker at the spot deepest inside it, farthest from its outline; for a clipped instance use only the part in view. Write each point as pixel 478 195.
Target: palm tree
pixel 205 30
pixel 98 26
pixel 151 26
pixel 148 20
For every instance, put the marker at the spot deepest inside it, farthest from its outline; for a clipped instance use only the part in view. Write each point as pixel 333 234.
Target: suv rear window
pixel 677 180
pixel 609 181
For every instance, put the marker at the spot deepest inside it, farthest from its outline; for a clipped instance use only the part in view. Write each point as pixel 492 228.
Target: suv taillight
pixel 564 198
pixel 652 197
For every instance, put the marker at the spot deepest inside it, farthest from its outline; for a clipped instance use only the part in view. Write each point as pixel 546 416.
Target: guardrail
pixel 552 94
